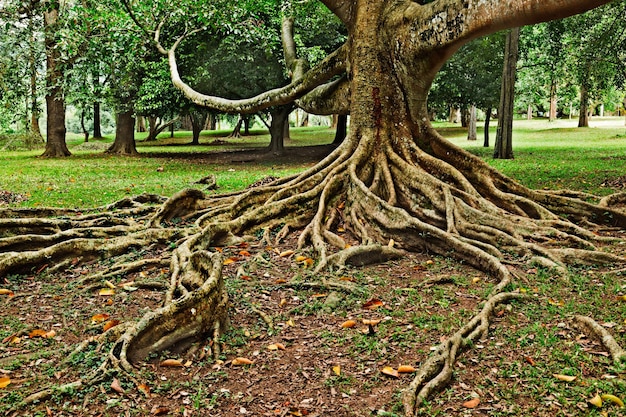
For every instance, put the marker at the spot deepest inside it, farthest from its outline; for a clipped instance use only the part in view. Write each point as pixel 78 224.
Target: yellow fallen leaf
pixel 4 291
pixel 286 253
pixel 388 370
pixel 37 333
pixel 300 258
pixel 242 361
pixel 50 334
pixel 4 381
pixel 106 291
pixel 229 261
pixel 476 280
pixel 406 369
pixel 596 401
pixel 276 346
pixel 348 324
pixel 308 262
pixel 559 303
pixel 291 323
pixel 371 322
pixel 473 403
pixel 109 324
pixel 613 399
pixel 566 378
pixel 109 284
pixel 99 318
pixel 173 363
pixel 337 370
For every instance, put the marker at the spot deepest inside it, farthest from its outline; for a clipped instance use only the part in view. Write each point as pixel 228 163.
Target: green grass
pixel 547 155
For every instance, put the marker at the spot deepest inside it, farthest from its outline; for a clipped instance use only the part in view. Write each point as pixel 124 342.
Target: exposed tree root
pixel 618 354
pixel 437 370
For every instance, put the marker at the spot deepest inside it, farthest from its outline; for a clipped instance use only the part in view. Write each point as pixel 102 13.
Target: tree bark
pixel 198 120
pixel 471 127
pixel 124 143
pixel 552 111
pixel 55 100
pixel 504 136
pixel 97 122
pixel 583 117
pixel 529 112
pixel 35 129
pixel 487 121
pixel 280 115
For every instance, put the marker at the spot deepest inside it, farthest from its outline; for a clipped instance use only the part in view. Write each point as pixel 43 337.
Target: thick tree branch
pixel 343 9
pixel 333 65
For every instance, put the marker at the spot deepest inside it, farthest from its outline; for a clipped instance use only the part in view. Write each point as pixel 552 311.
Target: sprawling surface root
pixel 390 198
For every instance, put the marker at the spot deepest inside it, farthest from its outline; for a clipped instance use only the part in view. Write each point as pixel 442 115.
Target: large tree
pixel 394 183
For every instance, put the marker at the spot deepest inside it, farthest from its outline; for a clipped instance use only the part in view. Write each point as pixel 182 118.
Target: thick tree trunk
pixel 124 143
pixel 236 133
pixel 152 128
pixel 583 117
pixel 465 117
pixel 487 121
pixel 504 136
pixel 552 111
pixel 471 128
pixel 247 121
pixel 55 101
pixel 198 120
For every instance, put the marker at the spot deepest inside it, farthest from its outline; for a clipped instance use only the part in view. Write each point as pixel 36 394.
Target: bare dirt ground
pixel 291 349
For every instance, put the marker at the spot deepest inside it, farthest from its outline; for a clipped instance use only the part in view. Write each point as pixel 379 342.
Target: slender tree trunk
pixel 97 122
pixel 35 129
pixel 465 116
pixel 82 125
pixel 124 143
pixel 487 120
pixel 277 129
pixel 529 112
pixel 471 128
pixel 504 136
pixel 305 120
pixel 341 130
pixel 141 124
pixel 236 133
pixel 247 121
pixel 152 128
pixel 583 117
pixel 552 112
pixel 55 101
pixel 286 130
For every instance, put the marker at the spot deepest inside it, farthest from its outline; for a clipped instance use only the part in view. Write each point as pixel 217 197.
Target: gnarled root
pixel 618 354
pixel 437 370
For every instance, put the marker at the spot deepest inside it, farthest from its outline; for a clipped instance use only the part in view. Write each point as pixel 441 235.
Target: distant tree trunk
pixel 82 125
pixel 152 128
pixel 236 133
pixel 471 128
pixel 552 112
pixel 341 130
pixel 211 122
pixel 504 136
pixel 333 125
pixel 198 120
pixel 487 120
pixel 529 112
pixel 141 124
pixel 55 101
pixel 286 130
pixel 35 129
pixel 247 121
pixel 455 115
pixel 172 130
pixel 277 128
pixel 97 121
pixel 583 117
pixel 305 120
pixel 124 143
pixel 465 116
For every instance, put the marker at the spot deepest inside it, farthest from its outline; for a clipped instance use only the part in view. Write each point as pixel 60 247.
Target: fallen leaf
pixel 145 389
pixel 173 363
pixel 109 284
pixel 99 318
pixel 109 324
pixel 475 280
pixel 291 323
pixel 613 399
pixel 337 370
pixel 286 253
pixel 319 295
pixel 553 302
pixel 4 381
pixel 371 322
pixel 276 346
pixel 566 378
pixel 372 304
pixel 241 361
pixel 308 262
pixel 4 291
pixel 106 291
pixel 229 261
pixel 351 279
pixel 159 410
pixel 50 334
pixel 348 324
pixel 300 258
pixel 37 333
pixel 388 370
pixel 406 369
pixel 473 403
pixel 244 253
pixel 115 386
pixel 530 360
pixel 596 401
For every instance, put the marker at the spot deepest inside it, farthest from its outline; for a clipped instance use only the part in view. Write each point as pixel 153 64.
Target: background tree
pixel 503 148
